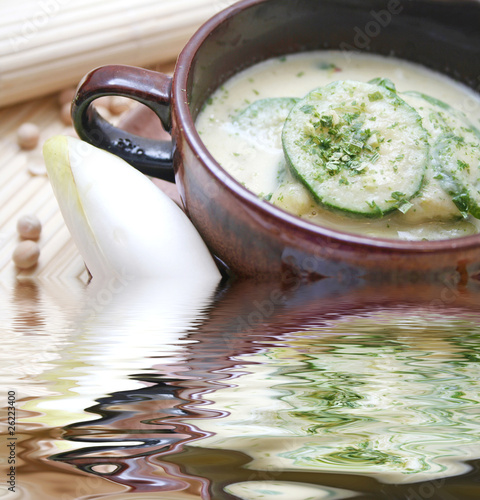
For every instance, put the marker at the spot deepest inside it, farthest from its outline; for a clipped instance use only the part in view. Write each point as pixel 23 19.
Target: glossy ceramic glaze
pixel 253 238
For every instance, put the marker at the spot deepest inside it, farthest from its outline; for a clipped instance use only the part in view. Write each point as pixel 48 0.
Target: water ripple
pixel 385 394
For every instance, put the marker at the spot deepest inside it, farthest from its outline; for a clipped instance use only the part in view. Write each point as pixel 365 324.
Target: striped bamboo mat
pixel 25 189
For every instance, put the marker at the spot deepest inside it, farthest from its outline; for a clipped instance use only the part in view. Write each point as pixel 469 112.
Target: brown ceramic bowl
pixel 252 237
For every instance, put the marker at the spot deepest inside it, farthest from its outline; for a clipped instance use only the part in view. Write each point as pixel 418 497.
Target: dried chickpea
pixel 28 135
pixel 37 168
pixel 29 227
pixel 26 254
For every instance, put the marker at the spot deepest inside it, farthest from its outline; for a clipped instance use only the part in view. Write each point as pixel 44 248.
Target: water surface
pixel 246 392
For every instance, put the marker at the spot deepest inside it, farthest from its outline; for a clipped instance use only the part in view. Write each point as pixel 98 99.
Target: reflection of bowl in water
pixel 309 353
pixel 387 392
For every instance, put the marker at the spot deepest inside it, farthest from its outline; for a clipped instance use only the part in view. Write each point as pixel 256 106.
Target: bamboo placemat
pixel 46 46
pixel 22 192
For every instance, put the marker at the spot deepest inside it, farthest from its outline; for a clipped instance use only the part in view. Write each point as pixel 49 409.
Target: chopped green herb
pixel 375 96
pixel 405 207
pixel 350 117
pixel 307 109
pixel 385 83
pixel 398 196
pixel 375 157
pixel 374 207
pixel 463 165
pixel 355 147
pixel 326 66
pixel 331 139
pixel 326 120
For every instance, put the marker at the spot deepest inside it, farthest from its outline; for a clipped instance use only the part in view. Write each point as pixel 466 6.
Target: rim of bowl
pixel 179 88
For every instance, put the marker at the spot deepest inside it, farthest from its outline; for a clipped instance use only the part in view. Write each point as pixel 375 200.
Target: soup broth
pixel 239 128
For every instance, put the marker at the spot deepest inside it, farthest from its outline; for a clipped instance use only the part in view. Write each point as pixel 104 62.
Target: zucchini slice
pixel 434 202
pixel 262 121
pixel 456 157
pixel 455 152
pixel 357 147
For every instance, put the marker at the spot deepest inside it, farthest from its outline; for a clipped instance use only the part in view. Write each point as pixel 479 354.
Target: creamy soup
pixel 389 150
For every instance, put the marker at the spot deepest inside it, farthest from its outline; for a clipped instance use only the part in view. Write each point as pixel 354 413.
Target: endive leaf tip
pixel 149 236
pixel 52 144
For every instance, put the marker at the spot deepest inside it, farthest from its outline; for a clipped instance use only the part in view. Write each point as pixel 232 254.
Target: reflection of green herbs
pixel 364 453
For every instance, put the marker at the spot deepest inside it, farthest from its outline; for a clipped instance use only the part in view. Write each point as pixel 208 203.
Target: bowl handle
pixel 153 89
